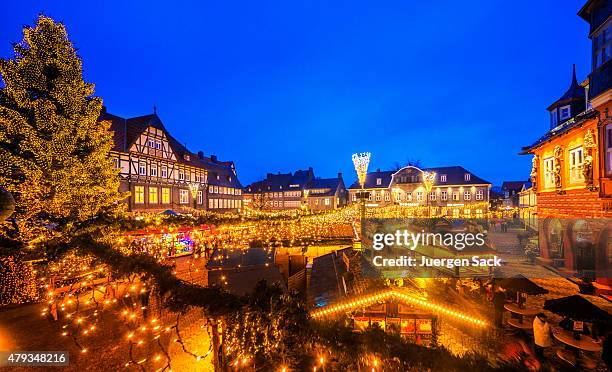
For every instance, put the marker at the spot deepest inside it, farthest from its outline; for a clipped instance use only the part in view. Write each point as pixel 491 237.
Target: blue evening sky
pixel 277 86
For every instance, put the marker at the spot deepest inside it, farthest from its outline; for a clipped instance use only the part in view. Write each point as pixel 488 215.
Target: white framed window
pixel 479 213
pixel 154 170
pixel 409 196
pixel 142 169
pixel 379 181
pixel 432 196
pixel 467 195
pixel 549 177
pixel 139 195
pixel 467 213
pixel 354 197
pixel 200 197
pixel 467 177
pixel 443 178
pixel 158 145
pixel 609 148
pixel 184 197
pixel 479 194
pixel 456 213
pixel 216 204
pixel 565 112
pixel 419 196
pixel 370 195
pixel 152 195
pixel 387 196
pixel 151 143
pixel 443 195
pixel 181 175
pixel 327 201
pixel 378 196
pixel 553 118
pixel 164 172
pixel 576 160
pixel 455 196
pixel 165 197
pixel 210 203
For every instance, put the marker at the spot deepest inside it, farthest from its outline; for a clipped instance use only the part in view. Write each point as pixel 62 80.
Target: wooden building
pixel 572 165
pixel 162 174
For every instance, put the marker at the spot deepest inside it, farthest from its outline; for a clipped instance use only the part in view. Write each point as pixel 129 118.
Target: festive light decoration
pixel 65 175
pixel 428 180
pixel 361 162
pixel 370 299
pixel 17 281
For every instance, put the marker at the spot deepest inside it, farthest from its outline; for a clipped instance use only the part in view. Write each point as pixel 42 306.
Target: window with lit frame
pixel 165 196
pixel 576 161
pixel 153 195
pixel 549 177
pixel 139 195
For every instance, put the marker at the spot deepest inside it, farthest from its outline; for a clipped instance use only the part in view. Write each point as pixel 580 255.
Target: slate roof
pixel 576 121
pixel 282 182
pixel 326 278
pixel 574 92
pixel 127 130
pixel 331 184
pixel 454 176
pixel 371 178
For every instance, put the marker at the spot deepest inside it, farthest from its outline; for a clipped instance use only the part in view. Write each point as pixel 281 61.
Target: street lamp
pixel 361 162
pixel 194 187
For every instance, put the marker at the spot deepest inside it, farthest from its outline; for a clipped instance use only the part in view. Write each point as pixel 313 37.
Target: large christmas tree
pixel 53 151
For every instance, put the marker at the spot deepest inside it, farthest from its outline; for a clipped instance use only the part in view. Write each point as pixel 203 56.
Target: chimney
pixel 339 175
pixel 213 158
pixel 201 154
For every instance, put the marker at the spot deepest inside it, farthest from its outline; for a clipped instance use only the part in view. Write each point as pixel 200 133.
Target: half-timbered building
pixel 162 174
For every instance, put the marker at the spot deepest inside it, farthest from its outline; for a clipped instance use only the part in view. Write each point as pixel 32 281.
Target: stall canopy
pixel 519 283
pixel 169 212
pixel 578 308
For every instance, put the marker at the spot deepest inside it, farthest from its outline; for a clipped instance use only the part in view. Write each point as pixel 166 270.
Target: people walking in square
pixel 541 334
pixel 499 300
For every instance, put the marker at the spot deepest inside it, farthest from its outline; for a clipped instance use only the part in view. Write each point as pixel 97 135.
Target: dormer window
pixel 467 177
pixel 379 181
pixel 564 112
pixel 186 157
pixel 553 118
pixel 443 178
